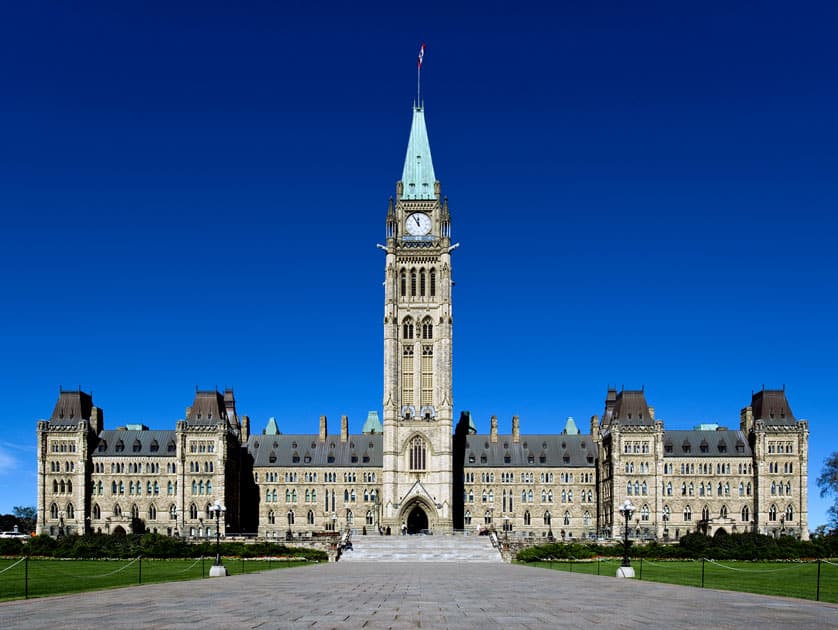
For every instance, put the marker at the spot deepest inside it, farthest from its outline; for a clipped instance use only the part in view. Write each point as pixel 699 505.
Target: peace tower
pixel 418 401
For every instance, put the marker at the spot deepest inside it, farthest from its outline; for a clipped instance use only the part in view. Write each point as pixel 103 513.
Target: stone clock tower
pixel 418 413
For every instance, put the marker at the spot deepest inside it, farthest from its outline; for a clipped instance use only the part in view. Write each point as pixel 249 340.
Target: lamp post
pixel 218 569
pixel 626 569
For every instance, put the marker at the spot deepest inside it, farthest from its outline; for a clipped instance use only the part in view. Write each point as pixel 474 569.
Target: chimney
pixel 97 420
pixel 323 428
pixel 245 428
pixel 344 428
pixel 746 419
pixel 493 435
pixel 516 430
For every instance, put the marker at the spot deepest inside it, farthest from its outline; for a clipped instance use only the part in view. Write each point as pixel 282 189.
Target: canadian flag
pixel 421 54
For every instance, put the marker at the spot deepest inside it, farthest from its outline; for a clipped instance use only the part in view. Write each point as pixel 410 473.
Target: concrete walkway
pixel 401 595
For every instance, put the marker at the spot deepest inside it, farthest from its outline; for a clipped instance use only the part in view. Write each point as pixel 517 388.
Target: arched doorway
pixel 417 520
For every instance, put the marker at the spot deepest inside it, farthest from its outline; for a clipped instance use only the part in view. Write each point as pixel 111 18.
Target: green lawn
pixel 53 577
pixel 789 579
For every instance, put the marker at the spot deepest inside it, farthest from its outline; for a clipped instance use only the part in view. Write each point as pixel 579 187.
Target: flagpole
pixel 418 75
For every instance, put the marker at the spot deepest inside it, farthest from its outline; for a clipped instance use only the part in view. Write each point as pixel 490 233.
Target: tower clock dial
pixel 418 224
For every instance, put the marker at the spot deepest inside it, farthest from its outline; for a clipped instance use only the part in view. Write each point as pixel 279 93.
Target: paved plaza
pixel 424 595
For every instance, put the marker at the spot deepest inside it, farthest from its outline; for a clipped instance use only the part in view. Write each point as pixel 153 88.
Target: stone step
pixel 421 549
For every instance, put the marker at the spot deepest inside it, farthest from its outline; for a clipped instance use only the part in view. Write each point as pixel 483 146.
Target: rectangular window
pixel 427 375
pixel 407 375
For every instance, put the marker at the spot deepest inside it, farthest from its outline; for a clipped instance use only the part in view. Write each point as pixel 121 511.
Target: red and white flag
pixel 421 54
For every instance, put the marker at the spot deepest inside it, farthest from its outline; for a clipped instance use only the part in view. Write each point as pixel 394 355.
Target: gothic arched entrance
pixel 417 520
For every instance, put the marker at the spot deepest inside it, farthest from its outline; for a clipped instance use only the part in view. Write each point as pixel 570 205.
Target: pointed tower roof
pixel 570 427
pixel 418 174
pixel 373 424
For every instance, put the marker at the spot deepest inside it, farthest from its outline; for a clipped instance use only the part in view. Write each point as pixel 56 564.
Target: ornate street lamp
pixel 626 569
pixel 218 569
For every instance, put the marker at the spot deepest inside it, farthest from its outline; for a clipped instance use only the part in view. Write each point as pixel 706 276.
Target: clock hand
pixel 417 220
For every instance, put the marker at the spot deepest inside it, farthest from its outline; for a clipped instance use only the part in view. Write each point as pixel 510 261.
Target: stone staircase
pixel 421 548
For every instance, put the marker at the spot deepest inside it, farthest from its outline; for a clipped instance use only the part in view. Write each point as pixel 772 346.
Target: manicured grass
pixel 788 579
pixel 53 577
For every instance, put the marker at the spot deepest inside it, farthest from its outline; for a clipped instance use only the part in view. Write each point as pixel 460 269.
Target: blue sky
pixel 191 195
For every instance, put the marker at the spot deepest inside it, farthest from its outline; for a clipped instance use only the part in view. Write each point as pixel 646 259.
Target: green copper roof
pixel 418 175
pixel 373 424
pixel 272 428
pixel 570 427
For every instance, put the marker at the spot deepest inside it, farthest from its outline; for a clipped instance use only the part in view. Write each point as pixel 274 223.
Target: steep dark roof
pixel 627 407
pixel 136 444
pixel 281 450
pixel 569 451
pixel 207 408
pixel 772 407
pixel 72 407
pixel 715 444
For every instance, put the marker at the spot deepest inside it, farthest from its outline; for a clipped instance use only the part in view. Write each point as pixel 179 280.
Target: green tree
pixel 26 517
pixel 828 483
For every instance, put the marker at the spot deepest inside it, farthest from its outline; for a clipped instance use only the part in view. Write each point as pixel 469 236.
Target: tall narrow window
pixel 407 375
pixel 417 454
pixel 412 283
pixel 427 375
pixel 422 282
pixel 407 328
pixel 427 328
pixel 433 283
pixel 403 282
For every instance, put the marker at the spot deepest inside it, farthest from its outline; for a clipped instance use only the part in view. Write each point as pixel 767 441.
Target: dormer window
pixel 120 446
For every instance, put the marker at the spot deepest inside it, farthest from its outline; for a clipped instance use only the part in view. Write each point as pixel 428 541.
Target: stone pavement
pixel 425 595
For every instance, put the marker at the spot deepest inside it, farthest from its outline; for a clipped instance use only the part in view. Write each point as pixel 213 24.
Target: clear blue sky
pixel 191 194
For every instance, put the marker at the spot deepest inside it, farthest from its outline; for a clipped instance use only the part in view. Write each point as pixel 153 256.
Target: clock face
pixel 418 224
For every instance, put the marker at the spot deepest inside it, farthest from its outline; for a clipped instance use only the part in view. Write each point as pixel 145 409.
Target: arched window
pixel 271 517
pixel 772 513
pixel 71 512
pixel 529 496
pixel 193 511
pixel 417 453
pixel 644 513
pixel 121 487
pixel 427 328
pixel 412 283
pixel 527 517
pixel 586 519
pixel 172 512
pixel 701 489
pixel 407 328
pixel 467 517
pixel 403 282
pixel 789 513
pixel 746 514
pixel 566 518
pixel 97 511
pixel 310 517
pixel 62 486
pixel 773 488
pixel 644 489
pixel 748 489
pixel 290 517
pixel 723 512
pixel 688 513
pixel 422 282
pixel 135 511
pixel 433 282
pixel 547 518
pixel 669 489
pixel 350 518
pixel 705 513
pixel 152 513
pixel 369 517
pixel 487 517
pixel 117 511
